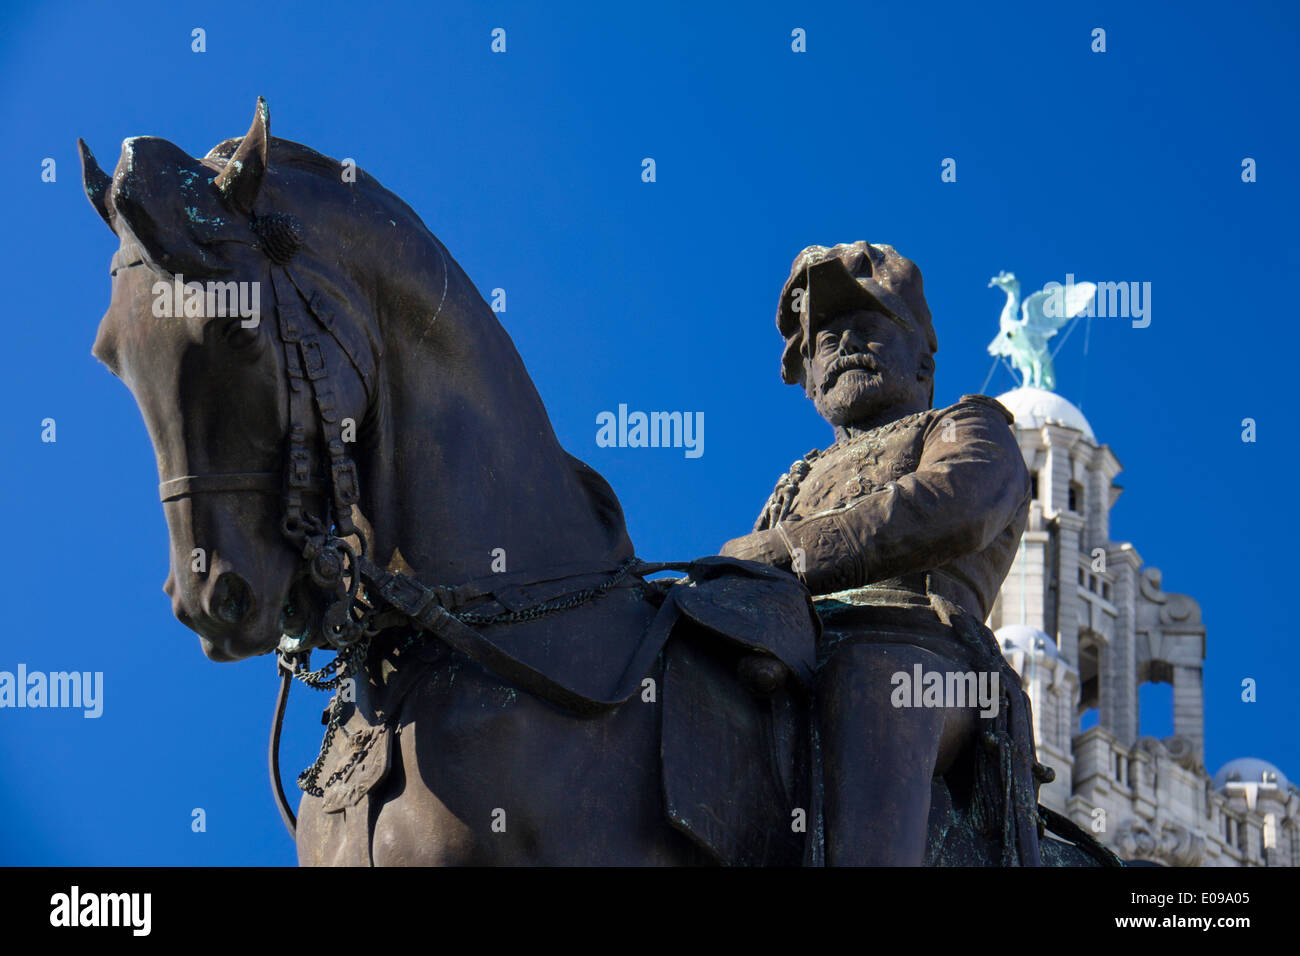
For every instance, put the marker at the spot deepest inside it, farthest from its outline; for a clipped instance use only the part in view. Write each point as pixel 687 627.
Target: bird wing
pixel 1035 315
pixel 1077 297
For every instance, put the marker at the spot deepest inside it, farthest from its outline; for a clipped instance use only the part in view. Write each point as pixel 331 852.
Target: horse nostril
pixel 231 598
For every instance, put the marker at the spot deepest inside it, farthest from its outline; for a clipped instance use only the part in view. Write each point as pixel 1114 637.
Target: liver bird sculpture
pixel 1024 340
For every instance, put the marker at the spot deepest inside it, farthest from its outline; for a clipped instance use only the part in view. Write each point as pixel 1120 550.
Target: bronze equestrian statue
pixel 367 428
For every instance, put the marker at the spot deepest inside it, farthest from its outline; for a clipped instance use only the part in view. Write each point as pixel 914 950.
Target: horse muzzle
pixel 232 622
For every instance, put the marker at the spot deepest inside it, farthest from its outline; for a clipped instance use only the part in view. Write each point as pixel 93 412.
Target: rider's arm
pixel 970 483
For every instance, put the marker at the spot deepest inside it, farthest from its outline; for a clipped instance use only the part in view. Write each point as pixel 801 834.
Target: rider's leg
pixel 878 760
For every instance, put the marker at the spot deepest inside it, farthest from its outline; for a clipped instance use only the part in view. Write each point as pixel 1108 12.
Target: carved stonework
pixel 1184 752
pixel 1161 842
pixel 1178 749
pixel 1174 608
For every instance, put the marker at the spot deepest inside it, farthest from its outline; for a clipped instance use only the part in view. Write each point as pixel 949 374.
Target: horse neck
pixel 464 475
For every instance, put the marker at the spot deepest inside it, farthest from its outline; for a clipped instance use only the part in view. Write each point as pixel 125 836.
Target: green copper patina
pixel 1043 314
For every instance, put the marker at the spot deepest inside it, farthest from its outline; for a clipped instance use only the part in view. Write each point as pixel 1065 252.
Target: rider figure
pixel 903 530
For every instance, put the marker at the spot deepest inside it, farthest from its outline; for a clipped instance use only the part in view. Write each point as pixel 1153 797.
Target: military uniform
pixel 932 501
pixel 904 533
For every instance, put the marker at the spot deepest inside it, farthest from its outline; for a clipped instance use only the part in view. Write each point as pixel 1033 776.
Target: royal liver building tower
pixel 1085 623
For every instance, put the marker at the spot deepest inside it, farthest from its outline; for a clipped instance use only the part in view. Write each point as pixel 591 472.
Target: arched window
pixel 1075 502
pixel 1091 659
pixel 1156 699
pixel 1156 709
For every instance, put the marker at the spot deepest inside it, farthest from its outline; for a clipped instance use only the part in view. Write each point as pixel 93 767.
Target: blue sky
pixel 1117 166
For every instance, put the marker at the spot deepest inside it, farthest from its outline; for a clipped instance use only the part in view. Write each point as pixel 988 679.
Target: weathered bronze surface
pixel 904 529
pixel 368 427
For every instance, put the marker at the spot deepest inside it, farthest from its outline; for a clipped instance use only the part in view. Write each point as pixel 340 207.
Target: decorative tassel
pixel 281 235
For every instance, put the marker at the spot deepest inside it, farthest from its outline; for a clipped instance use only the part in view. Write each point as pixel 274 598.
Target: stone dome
pixel 1250 770
pixel 1022 637
pixel 1033 407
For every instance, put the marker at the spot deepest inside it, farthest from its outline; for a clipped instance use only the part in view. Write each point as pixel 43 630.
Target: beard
pixel 857 388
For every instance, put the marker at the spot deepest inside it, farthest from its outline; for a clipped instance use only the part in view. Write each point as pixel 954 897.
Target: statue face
pixel 862 364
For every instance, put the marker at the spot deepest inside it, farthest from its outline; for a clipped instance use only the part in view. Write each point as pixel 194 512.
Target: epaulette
pixel 992 403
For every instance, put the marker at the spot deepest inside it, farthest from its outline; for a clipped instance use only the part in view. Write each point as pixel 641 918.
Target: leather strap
pixel 309 376
pixel 267 481
pixel 273 757
pixel 299 467
pixel 422 606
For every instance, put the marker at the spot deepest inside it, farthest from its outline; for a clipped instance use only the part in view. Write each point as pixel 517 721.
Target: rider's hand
pixel 765 547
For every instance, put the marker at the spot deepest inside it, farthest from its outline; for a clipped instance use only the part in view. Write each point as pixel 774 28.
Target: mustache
pixel 857 360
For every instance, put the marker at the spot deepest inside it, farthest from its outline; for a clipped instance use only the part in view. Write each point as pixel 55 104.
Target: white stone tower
pixel 1085 625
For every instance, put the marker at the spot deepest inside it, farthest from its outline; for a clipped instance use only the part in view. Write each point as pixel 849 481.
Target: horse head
pixel 193 331
pixel 357 366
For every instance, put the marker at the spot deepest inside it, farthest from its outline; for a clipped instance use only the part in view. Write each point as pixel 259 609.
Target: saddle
pixel 736 729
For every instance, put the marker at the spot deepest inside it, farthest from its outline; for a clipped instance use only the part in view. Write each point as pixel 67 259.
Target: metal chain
pixel 351 658
pixel 540 610
pixel 320 680
pixel 577 599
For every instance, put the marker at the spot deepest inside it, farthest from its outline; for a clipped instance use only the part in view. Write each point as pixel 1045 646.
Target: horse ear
pixel 96 182
pixel 240 181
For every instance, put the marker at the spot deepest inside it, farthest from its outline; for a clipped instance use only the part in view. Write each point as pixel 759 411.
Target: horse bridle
pixel 319 538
